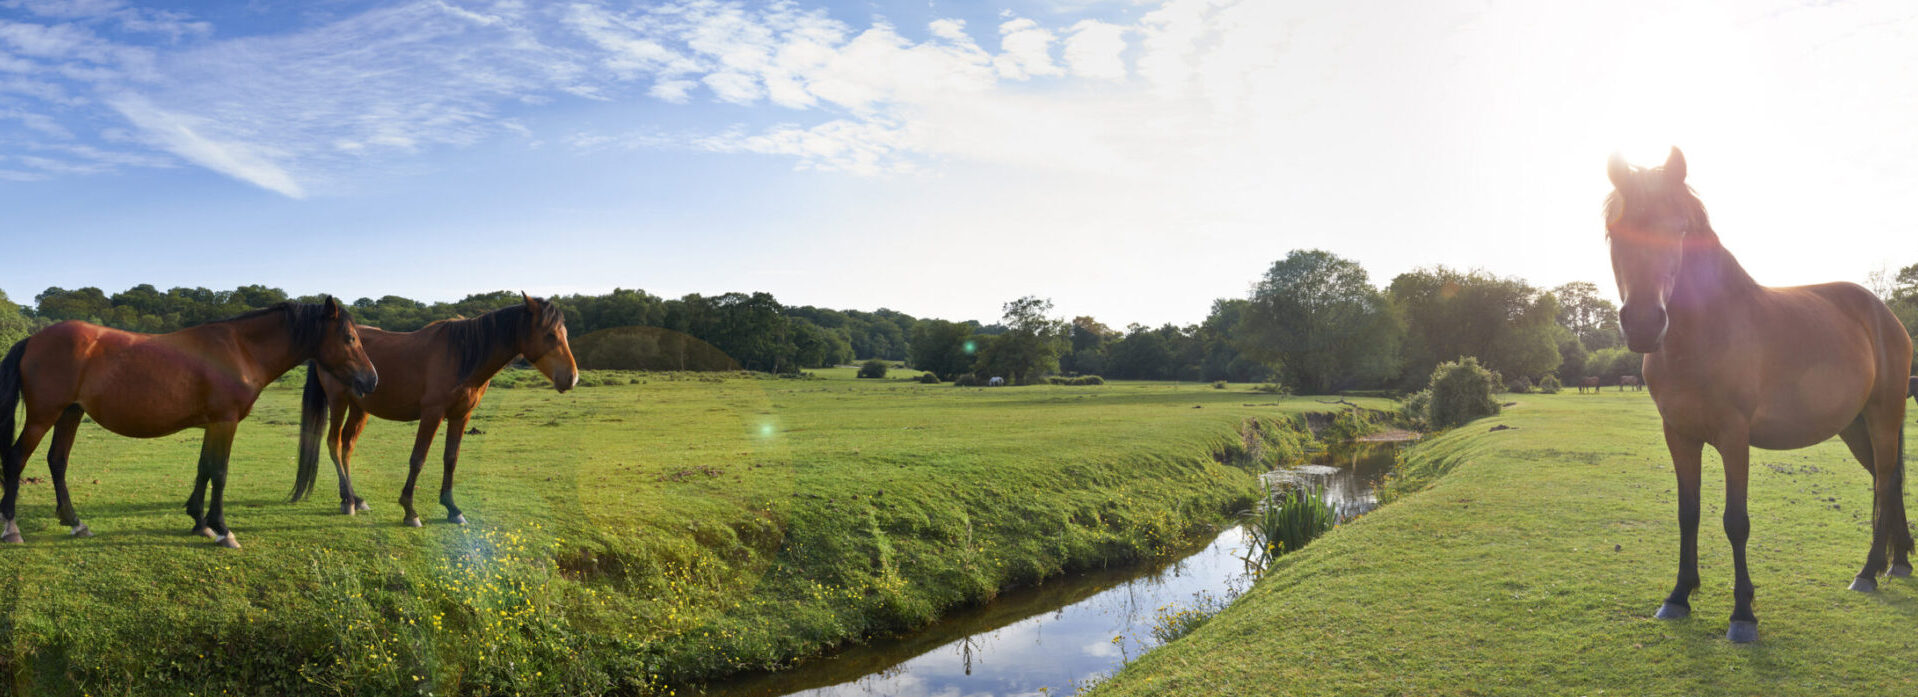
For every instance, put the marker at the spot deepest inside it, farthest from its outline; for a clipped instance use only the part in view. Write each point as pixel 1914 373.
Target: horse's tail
pixel 312 428
pixel 9 398
pixel 1899 481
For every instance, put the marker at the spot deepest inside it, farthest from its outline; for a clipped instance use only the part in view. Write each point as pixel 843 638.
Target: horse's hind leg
pixel 1890 540
pixel 31 432
pixel 64 431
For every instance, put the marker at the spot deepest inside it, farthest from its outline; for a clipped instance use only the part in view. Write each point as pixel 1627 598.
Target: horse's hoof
pixel 347 509
pixel 412 522
pixel 205 532
pixel 229 541
pixel 456 519
pixel 1900 570
pixel 81 530
pixel 1673 611
pixel 1742 632
pixel 362 506
pixel 11 537
pixel 1864 584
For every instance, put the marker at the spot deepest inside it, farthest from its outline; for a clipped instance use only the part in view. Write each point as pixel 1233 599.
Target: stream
pixel 1065 633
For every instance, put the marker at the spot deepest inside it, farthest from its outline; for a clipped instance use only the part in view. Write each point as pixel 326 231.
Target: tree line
pixel 1314 322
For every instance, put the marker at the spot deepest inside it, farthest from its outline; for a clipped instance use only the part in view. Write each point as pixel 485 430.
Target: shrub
pixel 1081 380
pixel 874 368
pixel 1549 384
pixel 1416 410
pixel 1218 384
pixel 967 380
pixel 1348 426
pixel 1461 392
pixel 1519 385
pixel 928 378
pixel 1286 521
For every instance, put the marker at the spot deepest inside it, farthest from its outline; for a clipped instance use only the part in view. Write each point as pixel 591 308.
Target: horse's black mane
pixel 474 340
pixel 306 322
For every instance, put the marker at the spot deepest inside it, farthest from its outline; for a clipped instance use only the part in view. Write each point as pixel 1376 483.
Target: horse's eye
pixel 552 336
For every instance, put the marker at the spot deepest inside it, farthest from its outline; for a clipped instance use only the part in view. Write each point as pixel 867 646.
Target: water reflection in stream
pixel 1051 639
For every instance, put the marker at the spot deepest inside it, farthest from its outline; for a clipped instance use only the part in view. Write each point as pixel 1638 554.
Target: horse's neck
pixel 500 351
pixel 268 345
pixel 1711 287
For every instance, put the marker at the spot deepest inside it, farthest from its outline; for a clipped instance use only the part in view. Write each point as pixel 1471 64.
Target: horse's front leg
pixel 214 453
pixel 1735 450
pixel 455 429
pixel 429 424
pixel 1686 455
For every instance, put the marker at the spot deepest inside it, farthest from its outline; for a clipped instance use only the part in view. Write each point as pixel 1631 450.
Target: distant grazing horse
pixel 148 385
pixel 1631 381
pixel 1589 382
pixel 1739 365
pixel 434 374
pixel 996 382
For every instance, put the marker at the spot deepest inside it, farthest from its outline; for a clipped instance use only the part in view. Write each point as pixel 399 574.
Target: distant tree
pixel 872 368
pixel 1589 316
pixel 1319 318
pixel 943 348
pixel 87 304
pixel 14 324
pixel 1448 314
pixel 1030 346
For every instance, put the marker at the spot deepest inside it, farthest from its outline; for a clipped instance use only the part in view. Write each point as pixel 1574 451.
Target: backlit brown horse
pixel 434 374
pixel 151 385
pixel 1589 381
pixel 1739 365
pixel 1631 381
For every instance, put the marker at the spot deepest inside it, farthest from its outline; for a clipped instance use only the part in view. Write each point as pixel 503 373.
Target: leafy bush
pixel 1348 426
pixel 1285 521
pixel 1519 385
pixel 874 368
pixel 1081 380
pixel 1549 384
pixel 1461 391
pixel 968 380
pixel 1416 410
pixel 1218 384
pixel 928 378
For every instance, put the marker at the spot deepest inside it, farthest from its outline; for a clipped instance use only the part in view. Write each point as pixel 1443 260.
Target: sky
pixel 1131 160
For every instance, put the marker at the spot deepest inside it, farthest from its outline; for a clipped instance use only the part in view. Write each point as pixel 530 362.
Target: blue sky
pixel 1130 159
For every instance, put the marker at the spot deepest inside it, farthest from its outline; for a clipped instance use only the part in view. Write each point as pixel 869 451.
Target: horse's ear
pixel 332 308
pixel 530 305
pixel 1675 167
pixel 1619 170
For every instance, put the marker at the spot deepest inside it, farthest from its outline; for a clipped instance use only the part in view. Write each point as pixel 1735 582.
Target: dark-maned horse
pixel 1588 382
pixel 151 385
pixel 434 374
pixel 1739 365
pixel 1631 381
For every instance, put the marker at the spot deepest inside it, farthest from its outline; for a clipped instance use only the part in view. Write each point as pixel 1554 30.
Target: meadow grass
pixel 1533 566
pixel 632 536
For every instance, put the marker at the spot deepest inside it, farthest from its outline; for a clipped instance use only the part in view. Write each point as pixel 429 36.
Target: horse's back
pixel 133 384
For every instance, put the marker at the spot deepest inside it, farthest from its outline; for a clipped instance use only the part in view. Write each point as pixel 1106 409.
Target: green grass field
pixel 622 537
pixel 1534 566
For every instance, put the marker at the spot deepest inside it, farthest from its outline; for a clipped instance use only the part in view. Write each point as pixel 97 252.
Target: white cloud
pixel 1027 51
pixel 1094 50
pixel 181 136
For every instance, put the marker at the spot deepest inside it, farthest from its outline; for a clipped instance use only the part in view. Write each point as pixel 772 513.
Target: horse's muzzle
pixel 1644 327
pixel 365 383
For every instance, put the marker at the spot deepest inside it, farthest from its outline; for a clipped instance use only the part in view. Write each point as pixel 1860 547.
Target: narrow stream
pixel 1055 638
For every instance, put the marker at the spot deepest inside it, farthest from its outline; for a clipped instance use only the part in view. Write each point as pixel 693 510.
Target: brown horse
pixel 1591 382
pixel 434 374
pixel 151 385
pixel 1738 365
pixel 1631 381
